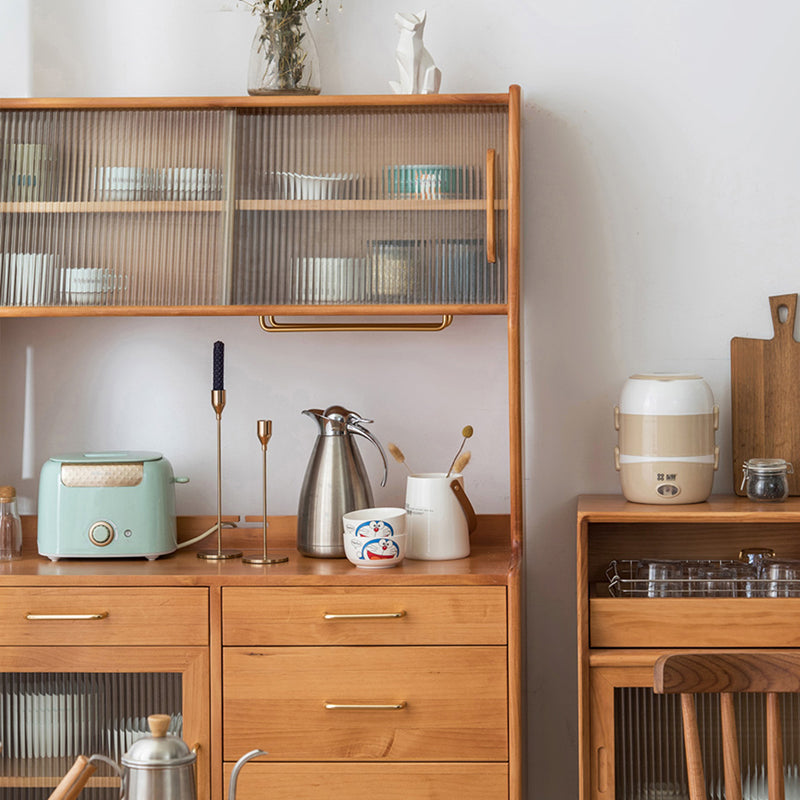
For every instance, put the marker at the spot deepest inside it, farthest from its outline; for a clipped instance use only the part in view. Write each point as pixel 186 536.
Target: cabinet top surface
pixel 614 508
pixel 277 101
pixel 491 562
pixel 485 566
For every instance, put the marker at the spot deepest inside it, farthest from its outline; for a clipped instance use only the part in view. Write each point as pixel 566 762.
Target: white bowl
pixel 375 552
pixel 375 523
pixel 295 186
pixel 88 285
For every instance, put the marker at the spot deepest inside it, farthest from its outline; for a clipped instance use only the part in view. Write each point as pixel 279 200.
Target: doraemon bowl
pixel 375 552
pixel 375 523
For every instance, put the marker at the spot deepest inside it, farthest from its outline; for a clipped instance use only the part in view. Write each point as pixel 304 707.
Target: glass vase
pixel 283 56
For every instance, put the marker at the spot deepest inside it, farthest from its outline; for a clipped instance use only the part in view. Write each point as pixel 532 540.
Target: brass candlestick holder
pixel 264 429
pixel 218 403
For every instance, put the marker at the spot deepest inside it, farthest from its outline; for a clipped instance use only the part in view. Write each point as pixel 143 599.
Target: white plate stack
pixel 28 279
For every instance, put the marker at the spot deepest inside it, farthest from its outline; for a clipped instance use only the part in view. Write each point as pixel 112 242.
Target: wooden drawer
pixel 453 703
pixel 447 781
pixel 415 615
pixel 694 622
pixel 114 616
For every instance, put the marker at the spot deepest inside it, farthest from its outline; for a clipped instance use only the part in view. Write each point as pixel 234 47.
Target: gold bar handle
pixel 270 324
pixel 386 615
pixel 491 226
pixel 100 615
pixel 365 706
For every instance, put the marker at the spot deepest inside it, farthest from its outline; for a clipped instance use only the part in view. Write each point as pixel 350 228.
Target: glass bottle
pixel 10 525
pixel 283 56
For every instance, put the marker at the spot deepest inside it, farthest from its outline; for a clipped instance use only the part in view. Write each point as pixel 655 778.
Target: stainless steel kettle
pixel 156 766
pixel 335 482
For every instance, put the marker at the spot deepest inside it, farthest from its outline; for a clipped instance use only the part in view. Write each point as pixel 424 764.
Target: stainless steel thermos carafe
pixel 335 482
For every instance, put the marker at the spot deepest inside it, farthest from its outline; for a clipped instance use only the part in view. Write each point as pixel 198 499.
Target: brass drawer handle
pixel 365 706
pixel 101 615
pixel 388 615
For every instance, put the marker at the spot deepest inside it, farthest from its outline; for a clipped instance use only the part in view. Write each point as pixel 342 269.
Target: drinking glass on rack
pixel 719 579
pixel 783 578
pixel 664 578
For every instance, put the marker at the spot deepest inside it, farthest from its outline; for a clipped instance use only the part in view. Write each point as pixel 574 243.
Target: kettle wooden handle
pixel 74 781
pixel 463 500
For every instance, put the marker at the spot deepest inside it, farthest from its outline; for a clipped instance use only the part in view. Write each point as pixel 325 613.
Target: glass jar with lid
pixel 765 478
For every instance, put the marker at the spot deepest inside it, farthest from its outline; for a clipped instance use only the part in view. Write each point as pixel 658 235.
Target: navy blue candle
pixel 219 366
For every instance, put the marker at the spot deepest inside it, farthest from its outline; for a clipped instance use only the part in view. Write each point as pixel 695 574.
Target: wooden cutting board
pixel 765 394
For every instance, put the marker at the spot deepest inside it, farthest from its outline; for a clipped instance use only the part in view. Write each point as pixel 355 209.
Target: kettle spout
pixel 239 764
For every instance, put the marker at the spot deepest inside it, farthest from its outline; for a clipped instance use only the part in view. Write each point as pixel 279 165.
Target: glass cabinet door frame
pixel 191 662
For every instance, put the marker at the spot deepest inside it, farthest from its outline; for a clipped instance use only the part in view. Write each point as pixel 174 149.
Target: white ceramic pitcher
pixel 439 517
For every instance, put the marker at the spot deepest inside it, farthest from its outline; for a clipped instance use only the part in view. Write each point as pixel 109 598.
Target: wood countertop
pixel 615 508
pixel 491 562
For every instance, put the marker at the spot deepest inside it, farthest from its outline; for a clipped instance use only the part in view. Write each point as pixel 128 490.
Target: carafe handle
pixel 466 506
pixel 354 427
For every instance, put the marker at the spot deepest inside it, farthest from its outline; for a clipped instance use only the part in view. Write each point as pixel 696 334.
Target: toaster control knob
pixel 101 534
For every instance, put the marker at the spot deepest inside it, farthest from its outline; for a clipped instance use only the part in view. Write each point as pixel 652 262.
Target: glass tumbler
pixel 783 579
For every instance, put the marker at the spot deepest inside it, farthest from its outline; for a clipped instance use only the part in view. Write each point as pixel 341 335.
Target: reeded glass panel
pixel 368 206
pixel 650 762
pixel 112 207
pixel 47 720
pixel 266 206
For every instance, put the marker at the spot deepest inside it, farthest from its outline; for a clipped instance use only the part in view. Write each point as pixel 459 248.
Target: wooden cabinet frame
pixel 497 545
pixel 191 662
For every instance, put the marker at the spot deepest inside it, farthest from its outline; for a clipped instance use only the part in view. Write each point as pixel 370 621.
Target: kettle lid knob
pixel 158 724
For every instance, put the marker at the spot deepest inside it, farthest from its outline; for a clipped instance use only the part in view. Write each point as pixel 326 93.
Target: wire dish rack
pixel 703 578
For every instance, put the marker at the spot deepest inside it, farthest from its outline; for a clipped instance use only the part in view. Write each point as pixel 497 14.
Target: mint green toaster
pixel 107 505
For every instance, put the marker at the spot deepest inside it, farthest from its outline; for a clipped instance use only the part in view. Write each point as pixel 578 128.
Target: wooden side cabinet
pixel 630 738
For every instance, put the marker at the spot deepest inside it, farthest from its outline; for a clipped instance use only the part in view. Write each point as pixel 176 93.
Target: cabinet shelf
pixel 368 205
pixel 217 206
pixel 114 207
pixel 252 311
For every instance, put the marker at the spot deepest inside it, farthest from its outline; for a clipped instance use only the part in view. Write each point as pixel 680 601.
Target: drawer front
pixel 350 615
pixel 447 781
pixel 689 622
pixel 405 703
pixel 113 616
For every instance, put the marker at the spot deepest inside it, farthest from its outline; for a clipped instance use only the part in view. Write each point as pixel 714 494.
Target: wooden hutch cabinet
pixel 631 739
pixel 395 684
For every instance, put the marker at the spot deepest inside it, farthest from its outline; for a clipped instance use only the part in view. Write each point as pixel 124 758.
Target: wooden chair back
pixel 725 674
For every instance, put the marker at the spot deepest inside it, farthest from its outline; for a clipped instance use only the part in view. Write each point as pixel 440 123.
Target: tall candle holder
pixel 264 430
pixel 218 403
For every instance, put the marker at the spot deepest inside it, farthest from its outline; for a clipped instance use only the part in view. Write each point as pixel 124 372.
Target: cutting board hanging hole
pixel 783 314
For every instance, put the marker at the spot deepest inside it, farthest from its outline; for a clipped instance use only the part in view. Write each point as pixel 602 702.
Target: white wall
pixel 660 189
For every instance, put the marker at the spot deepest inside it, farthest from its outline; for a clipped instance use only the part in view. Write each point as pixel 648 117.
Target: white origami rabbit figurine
pixel 418 73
